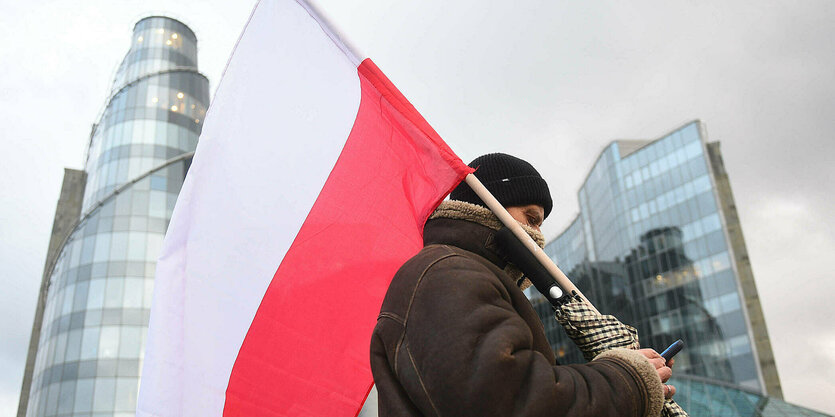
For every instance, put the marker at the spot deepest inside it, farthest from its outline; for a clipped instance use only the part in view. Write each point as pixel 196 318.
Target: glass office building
pixel 657 243
pixel 707 397
pixel 87 345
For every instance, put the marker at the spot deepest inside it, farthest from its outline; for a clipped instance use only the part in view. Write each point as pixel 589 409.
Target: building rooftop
pixel 626 147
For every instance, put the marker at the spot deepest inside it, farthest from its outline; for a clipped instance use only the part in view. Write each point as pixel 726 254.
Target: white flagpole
pixel 333 31
pixel 520 233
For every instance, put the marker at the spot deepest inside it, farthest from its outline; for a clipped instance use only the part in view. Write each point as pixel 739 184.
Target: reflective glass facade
pixel 98 302
pixel 703 397
pixel 651 246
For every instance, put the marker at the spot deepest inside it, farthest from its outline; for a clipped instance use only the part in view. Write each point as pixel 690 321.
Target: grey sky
pixel 550 81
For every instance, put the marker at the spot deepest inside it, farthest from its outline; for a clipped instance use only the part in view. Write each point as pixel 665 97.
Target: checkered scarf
pixel 594 334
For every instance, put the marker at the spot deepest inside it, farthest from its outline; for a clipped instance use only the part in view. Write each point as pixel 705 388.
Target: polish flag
pixel 309 188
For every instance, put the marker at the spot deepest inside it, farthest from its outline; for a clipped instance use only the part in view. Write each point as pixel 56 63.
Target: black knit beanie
pixel 513 182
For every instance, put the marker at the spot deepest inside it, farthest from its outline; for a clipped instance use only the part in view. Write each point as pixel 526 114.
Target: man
pixel 457 336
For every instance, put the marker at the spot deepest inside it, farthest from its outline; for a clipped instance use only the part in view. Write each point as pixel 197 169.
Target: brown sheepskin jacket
pixel 457 337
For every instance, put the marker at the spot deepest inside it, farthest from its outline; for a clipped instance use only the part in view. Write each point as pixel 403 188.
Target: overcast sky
pixel 550 81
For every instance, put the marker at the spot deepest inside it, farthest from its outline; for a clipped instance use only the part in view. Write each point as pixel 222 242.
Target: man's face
pixel 532 215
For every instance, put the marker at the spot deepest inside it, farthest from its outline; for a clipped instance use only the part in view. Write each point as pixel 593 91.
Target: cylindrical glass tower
pixel 99 293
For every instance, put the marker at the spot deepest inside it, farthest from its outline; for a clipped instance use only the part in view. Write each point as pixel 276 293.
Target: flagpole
pixel 332 30
pixel 520 233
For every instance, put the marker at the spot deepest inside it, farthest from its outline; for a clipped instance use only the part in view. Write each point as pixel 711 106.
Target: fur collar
pixel 460 210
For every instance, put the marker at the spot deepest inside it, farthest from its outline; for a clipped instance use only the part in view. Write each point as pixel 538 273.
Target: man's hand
pixel 663 368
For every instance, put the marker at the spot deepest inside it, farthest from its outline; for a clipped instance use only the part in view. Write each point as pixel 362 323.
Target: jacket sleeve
pixel 466 351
